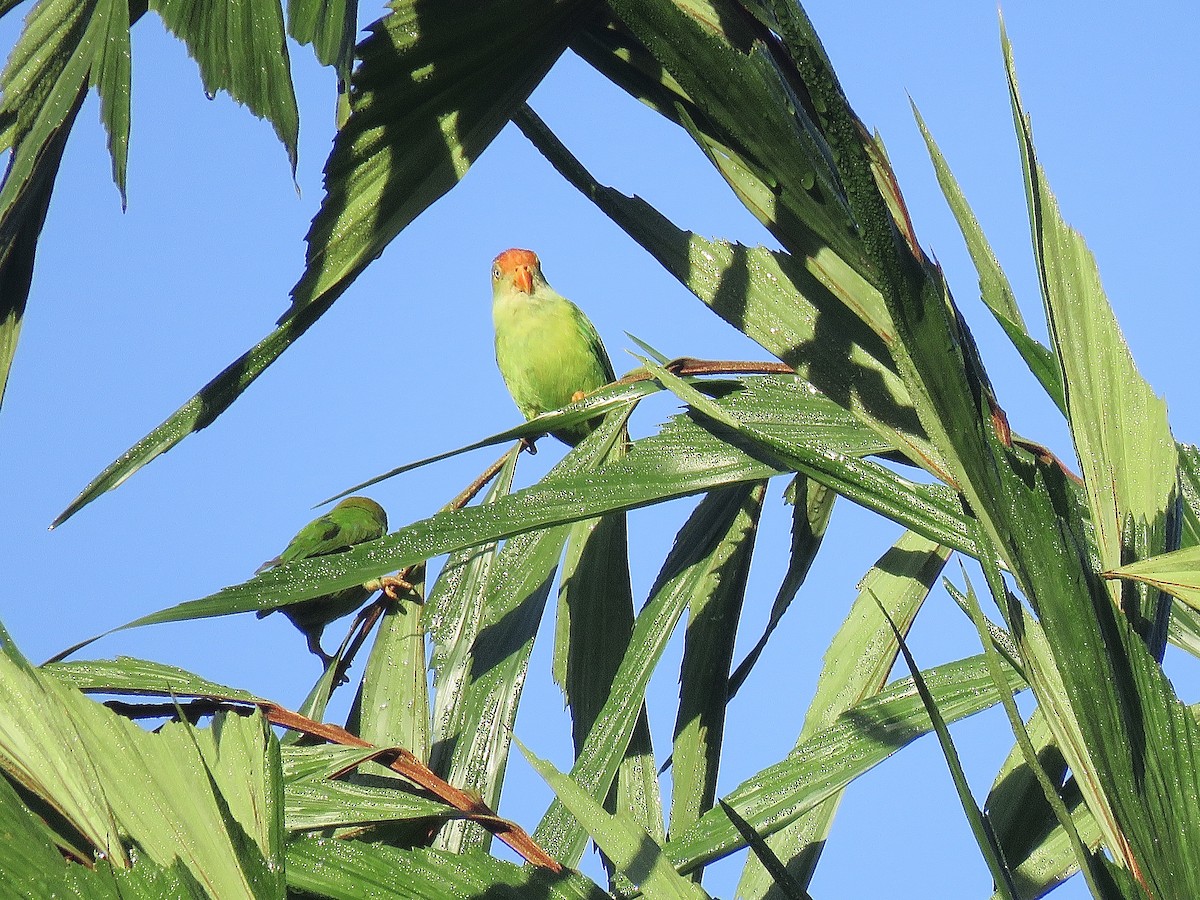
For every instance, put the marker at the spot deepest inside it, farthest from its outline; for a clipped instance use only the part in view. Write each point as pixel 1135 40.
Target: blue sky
pixel 132 312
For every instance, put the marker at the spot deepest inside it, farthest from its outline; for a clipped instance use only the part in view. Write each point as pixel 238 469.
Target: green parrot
pixel 548 352
pixel 353 521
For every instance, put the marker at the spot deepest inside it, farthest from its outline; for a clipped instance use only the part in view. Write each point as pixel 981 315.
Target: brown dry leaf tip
pixel 1045 456
pixel 404 763
pixel 1000 424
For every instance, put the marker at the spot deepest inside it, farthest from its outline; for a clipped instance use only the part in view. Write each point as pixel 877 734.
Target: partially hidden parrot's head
pixel 369 506
pixel 517 270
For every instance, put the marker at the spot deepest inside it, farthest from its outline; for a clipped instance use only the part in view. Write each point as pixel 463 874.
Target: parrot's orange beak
pixel 522 279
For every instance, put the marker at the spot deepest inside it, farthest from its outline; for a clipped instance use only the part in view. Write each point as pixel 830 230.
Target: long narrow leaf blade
pixel 994 287
pixel 325 867
pixel 378 179
pixel 392 706
pixel 633 852
pixel 516 596
pixel 690 568
pixel 862 737
pixel 813 504
pixel 713 616
pixel 1119 427
pixel 856 665
pixel 811 311
pixel 684 458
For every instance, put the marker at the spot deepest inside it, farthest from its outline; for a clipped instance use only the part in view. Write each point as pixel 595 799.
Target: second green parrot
pixel 548 352
pixel 353 521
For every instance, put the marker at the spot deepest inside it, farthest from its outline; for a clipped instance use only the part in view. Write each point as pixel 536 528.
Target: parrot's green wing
pixel 342 527
pixel 353 521
pixel 595 347
pixel 320 536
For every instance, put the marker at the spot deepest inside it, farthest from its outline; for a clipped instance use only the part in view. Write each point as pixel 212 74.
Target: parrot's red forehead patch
pixel 510 259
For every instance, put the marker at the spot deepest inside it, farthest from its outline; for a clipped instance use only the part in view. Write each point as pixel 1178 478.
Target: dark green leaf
pixel 240 48
pixel 732 71
pixel 110 75
pixel 435 84
pixel 713 615
pixel 683 459
pixel 330 26
pixel 416 129
pixel 201 410
pixel 922 508
pixel 811 311
pixel 984 837
pixel 66 45
pixel 1134 748
pixel 813 503
pixel 781 878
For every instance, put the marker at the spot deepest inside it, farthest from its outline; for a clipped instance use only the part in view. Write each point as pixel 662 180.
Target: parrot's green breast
pixel 547 351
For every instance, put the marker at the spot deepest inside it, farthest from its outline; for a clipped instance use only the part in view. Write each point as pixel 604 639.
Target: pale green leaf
pixel 518 587
pixel 856 665
pixel 1122 438
pixel 1177 573
pixel 994 287
pixel 454 616
pixel 862 737
pixel 354 870
pixel 391 708
pixel 633 853
pixel 205 798
pixel 312 804
pixel 593 623
pixel 127 675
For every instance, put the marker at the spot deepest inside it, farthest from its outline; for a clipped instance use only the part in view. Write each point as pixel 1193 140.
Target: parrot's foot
pixel 529 445
pixel 392 585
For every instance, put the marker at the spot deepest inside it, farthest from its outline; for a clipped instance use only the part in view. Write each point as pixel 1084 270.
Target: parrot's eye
pixel 496 272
